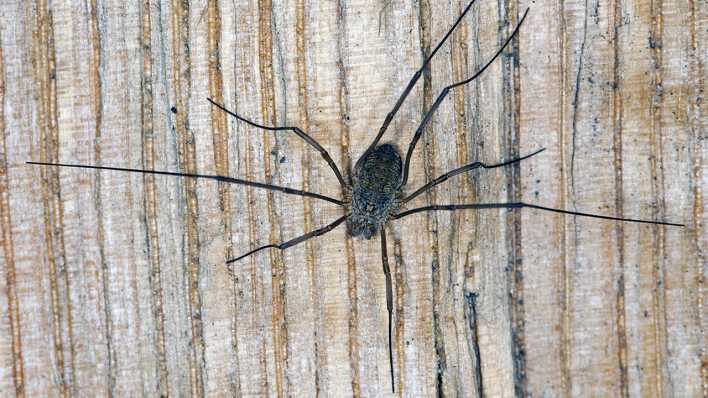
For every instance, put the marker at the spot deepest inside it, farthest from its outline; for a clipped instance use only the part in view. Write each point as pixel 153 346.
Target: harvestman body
pixel 376 194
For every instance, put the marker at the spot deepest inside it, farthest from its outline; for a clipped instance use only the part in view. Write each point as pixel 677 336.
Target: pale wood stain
pixel 13 310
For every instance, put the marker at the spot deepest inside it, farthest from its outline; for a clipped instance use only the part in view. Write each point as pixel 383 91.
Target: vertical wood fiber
pixel 115 284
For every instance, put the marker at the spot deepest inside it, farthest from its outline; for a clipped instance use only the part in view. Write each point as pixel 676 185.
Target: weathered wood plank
pixel 115 283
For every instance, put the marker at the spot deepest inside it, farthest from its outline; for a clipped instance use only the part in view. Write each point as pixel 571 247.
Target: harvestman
pixel 376 194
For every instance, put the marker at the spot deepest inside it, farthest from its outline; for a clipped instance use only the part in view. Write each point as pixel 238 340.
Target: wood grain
pixel 115 284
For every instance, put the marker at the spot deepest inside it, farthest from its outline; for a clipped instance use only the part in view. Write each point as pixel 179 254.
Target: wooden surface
pixel 115 283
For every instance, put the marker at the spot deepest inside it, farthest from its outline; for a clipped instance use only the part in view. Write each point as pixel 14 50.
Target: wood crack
pixel 576 96
pixel 424 18
pixel 470 311
pixel 565 277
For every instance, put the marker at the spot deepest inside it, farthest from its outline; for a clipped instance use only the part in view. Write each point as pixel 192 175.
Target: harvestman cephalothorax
pixel 377 191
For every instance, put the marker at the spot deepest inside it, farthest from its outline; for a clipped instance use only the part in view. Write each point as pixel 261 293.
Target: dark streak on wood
pixel 221 164
pixel 617 118
pixel 45 77
pixel 343 100
pixel 511 86
pixel 465 193
pixel 265 65
pixel 181 76
pixel 461 71
pixel 400 276
pixel 428 149
pixel 473 326
pixel 96 71
pixel 257 292
pixel 218 118
pixel 576 94
pixel 150 200
pixel 306 166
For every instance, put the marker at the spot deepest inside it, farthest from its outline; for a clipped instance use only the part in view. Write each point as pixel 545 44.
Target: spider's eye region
pixel 358 225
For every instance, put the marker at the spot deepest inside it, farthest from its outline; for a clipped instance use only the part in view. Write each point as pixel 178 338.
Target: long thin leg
pixel 297 131
pixel 411 84
pixel 229 180
pixel 463 169
pixel 519 205
pixel 389 301
pixel 295 241
pixel 444 93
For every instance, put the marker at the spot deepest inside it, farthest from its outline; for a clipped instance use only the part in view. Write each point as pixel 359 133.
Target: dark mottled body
pixel 377 181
